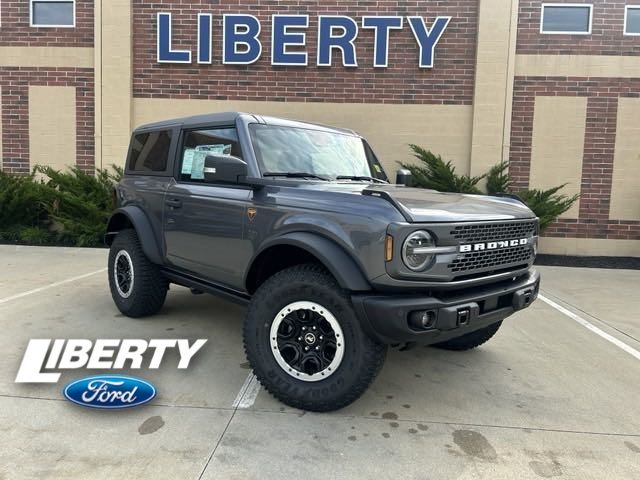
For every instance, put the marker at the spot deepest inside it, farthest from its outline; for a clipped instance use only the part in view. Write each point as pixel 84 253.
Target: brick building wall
pixel 606 36
pixel 594 219
pixel 446 108
pixel 450 81
pixel 15 30
pixel 15 81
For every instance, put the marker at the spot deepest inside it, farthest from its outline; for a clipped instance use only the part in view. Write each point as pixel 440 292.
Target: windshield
pixel 292 150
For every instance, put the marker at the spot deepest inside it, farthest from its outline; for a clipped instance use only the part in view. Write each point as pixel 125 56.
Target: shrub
pixel 548 204
pixel 435 174
pixel 63 208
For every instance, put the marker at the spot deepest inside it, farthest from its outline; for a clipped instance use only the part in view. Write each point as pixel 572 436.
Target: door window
pixel 200 143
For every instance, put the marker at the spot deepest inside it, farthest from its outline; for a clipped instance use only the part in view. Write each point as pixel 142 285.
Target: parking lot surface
pixel 554 394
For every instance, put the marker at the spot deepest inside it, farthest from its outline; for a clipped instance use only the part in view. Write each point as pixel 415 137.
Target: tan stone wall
pixel 52 143
pixel 590 247
pixel 578 66
pixel 114 124
pixel 495 50
pixel 81 57
pixel 625 188
pixel 445 129
pixel 558 143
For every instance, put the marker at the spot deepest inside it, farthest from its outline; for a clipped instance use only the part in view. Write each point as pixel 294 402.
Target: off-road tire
pixel 149 289
pixel 362 359
pixel 470 340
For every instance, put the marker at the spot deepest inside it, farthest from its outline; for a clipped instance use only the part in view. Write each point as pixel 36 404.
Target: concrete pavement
pixel 545 398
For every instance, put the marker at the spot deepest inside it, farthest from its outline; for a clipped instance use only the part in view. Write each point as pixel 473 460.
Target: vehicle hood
pixel 421 205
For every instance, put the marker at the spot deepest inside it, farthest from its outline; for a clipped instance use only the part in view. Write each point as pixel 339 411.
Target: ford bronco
pixel 299 222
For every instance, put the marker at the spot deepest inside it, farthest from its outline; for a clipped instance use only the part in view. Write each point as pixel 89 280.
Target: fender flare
pixel 136 217
pixel 341 265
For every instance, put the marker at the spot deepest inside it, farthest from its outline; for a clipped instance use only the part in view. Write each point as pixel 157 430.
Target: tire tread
pixel 149 283
pixel 373 353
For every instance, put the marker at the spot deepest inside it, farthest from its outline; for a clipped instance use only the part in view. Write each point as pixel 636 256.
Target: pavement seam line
pixel 51 285
pixel 206 465
pixel 249 390
pixel 590 326
pixel 366 417
pixel 463 424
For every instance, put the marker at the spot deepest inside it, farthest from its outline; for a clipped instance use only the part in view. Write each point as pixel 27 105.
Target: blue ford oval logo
pixel 110 391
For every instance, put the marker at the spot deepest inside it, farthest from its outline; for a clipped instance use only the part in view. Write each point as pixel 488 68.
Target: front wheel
pixel 305 343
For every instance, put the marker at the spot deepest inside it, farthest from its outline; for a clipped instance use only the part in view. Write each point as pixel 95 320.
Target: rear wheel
pixel 470 340
pixel 138 288
pixel 305 344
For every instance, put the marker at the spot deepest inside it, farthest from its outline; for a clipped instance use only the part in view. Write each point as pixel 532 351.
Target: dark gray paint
pixel 204 230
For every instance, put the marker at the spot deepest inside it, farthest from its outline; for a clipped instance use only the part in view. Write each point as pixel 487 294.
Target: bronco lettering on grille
pixel 476 247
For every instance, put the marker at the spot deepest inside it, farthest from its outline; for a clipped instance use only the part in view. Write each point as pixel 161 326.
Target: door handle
pixel 173 202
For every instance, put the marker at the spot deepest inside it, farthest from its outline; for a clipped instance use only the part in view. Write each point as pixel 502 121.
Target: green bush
pixel 438 175
pixel 62 208
pixel 434 173
pixel 546 204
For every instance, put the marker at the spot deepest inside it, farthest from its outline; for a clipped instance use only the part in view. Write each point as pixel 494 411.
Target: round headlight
pixel 411 255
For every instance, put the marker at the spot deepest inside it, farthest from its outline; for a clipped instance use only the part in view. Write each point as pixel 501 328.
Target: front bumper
pixel 386 317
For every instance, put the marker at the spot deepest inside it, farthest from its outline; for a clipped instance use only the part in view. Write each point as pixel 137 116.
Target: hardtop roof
pixel 231 117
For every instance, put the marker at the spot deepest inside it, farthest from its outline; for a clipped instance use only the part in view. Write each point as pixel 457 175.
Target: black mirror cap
pixel 220 168
pixel 404 177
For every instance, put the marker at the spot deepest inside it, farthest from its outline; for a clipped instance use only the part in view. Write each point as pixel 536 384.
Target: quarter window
pixel 150 151
pixel 632 20
pixel 571 18
pixel 53 13
pixel 199 143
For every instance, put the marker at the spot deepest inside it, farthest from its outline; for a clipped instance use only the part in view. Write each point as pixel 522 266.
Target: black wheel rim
pixel 123 273
pixel 307 341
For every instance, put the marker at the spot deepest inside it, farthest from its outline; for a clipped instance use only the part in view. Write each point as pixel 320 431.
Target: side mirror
pixel 404 177
pixel 224 169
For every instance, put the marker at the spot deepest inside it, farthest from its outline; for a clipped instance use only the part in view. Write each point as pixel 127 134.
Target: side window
pixel 150 151
pixel 199 143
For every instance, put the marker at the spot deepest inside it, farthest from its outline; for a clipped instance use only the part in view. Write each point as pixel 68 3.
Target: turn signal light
pixel 388 248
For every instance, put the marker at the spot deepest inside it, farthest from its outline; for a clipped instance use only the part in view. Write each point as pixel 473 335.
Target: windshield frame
pixel 371 159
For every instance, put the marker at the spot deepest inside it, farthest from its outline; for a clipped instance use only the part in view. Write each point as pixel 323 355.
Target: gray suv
pixel 299 222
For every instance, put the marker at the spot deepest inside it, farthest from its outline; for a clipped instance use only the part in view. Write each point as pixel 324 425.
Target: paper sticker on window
pixel 224 149
pixel 193 159
pixel 187 161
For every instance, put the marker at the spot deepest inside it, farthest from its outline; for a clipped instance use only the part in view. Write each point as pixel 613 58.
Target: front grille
pixel 488 261
pixel 492 232
pixel 491 259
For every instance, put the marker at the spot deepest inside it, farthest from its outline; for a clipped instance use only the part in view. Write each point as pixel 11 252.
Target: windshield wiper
pixel 295 175
pixel 360 178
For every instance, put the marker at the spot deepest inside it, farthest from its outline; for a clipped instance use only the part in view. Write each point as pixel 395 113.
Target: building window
pixel 632 20
pixel 572 18
pixel 53 13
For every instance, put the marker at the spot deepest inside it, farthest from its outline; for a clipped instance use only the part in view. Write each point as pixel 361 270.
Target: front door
pixel 203 222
